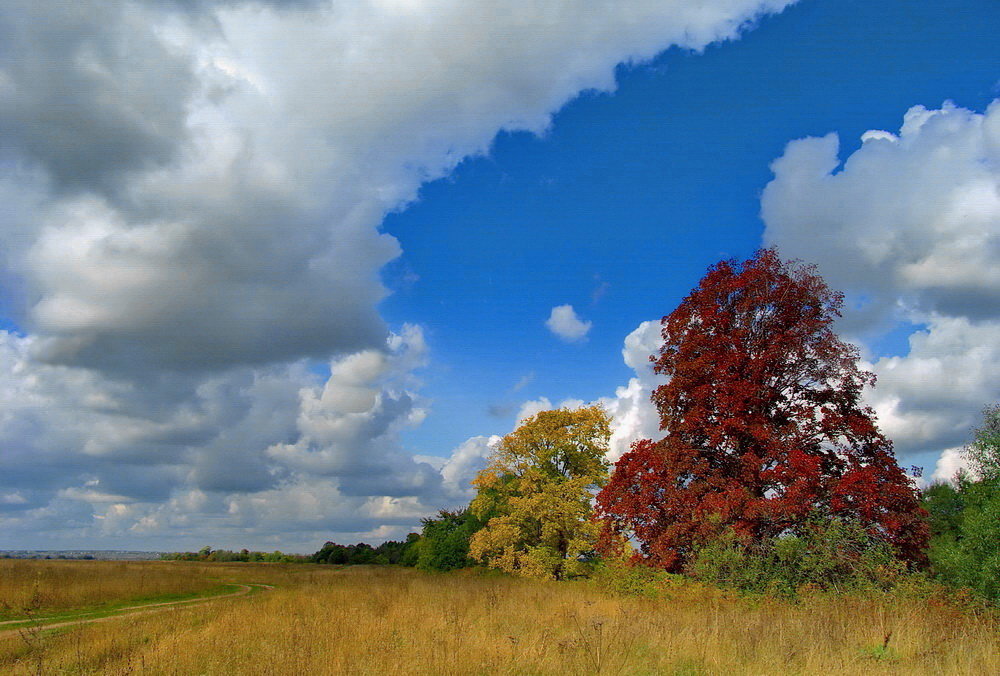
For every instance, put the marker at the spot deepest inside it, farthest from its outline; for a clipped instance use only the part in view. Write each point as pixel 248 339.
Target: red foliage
pixel 764 423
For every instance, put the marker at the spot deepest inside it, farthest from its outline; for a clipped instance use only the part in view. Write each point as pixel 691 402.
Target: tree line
pixel 770 473
pixel 229 556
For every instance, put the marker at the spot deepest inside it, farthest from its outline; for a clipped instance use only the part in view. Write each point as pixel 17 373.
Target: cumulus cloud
pixel 909 226
pixel 533 407
pixel 349 428
pixel 911 219
pixel 90 91
pixel 949 464
pixel 212 182
pixel 633 415
pixel 243 458
pixel 564 323
pixel 931 399
pixel 465 462
pixel 76 445
pixel 192 194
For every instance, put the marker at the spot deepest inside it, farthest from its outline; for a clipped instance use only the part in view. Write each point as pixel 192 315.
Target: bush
pixel 833 555
pixel 444 541
pixel 621 577
pixel 965 549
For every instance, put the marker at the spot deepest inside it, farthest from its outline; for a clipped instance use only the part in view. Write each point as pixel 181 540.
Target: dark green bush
pixel 965 535
pixel 444 541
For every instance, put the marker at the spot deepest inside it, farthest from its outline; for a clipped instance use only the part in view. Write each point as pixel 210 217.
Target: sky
pixel 277 272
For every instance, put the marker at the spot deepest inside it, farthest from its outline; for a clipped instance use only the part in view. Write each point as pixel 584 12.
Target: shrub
pixel 627 579
pixel 832 554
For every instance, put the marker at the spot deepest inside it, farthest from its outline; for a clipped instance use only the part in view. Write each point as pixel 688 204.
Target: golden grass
pixel 45 586
pixel 322 620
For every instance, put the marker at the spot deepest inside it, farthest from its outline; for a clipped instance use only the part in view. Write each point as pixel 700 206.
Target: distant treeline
pixel 442 544
pixel 63 557
pixel 228 556
pixel 391 552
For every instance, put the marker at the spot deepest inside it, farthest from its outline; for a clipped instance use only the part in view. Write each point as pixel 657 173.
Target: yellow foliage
pixel 537 490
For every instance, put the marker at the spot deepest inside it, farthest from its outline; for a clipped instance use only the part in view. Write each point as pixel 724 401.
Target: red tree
pixel 764 423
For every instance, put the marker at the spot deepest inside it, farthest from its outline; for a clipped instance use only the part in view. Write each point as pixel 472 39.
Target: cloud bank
pixel 192 198
pixel 909 226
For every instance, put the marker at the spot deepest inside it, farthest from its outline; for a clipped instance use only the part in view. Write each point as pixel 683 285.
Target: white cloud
pixel 909 226
pixel 533 407
pixel 911 220
pixel 931 398
pixel 212 183
pixel 465 462
pixel 951 462
pixel 252 458
pixel 564 323
pixel 633 415
pixel 349 428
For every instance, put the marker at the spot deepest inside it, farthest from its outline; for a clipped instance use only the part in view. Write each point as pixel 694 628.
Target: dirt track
pixel 40 623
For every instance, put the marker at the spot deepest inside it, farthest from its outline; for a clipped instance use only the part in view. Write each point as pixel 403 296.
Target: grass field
pixel 47 587
pixel 325 620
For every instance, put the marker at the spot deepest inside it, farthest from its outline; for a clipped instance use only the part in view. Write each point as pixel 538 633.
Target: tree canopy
pixel 965 515
pixel 983 453
pixel 763 420
pixel 539 484
pixel 444 540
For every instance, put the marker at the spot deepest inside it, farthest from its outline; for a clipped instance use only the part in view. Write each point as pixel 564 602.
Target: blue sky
pixel 636 192
pixel 278 272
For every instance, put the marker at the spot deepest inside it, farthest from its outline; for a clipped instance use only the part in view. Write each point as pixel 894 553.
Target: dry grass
pixel 390 621
pixel 45 586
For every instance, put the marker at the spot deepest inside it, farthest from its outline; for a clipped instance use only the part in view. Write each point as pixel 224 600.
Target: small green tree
pixel 965 517
pixel 444 541
pixel 966 550
pixel 408 557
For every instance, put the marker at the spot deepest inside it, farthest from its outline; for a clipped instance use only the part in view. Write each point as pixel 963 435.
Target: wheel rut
pixel 43 623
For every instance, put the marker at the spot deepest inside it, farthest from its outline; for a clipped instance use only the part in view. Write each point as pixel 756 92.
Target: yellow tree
pixel 537 492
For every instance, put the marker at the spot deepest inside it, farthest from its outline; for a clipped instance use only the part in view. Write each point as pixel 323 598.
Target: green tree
pixel 966 551
pixel 944 504
pixel 965 517
pixel 539 487
pixel 408 557
pixel 444 541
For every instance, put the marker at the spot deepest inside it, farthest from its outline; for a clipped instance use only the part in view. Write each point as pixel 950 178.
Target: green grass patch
pixel 22 619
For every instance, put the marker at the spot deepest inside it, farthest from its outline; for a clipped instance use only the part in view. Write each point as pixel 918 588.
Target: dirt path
pixel 40 623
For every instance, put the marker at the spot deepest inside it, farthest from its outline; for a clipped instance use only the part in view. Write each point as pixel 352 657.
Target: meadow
pixel 391 620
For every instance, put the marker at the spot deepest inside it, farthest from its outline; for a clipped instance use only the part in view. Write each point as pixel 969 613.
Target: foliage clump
pixel 764 425
pixel 444 540
pixel 965 516
pixel 828 554
pixel 389 552
pixel 230 556
pixel 538 487
pixel 983 453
